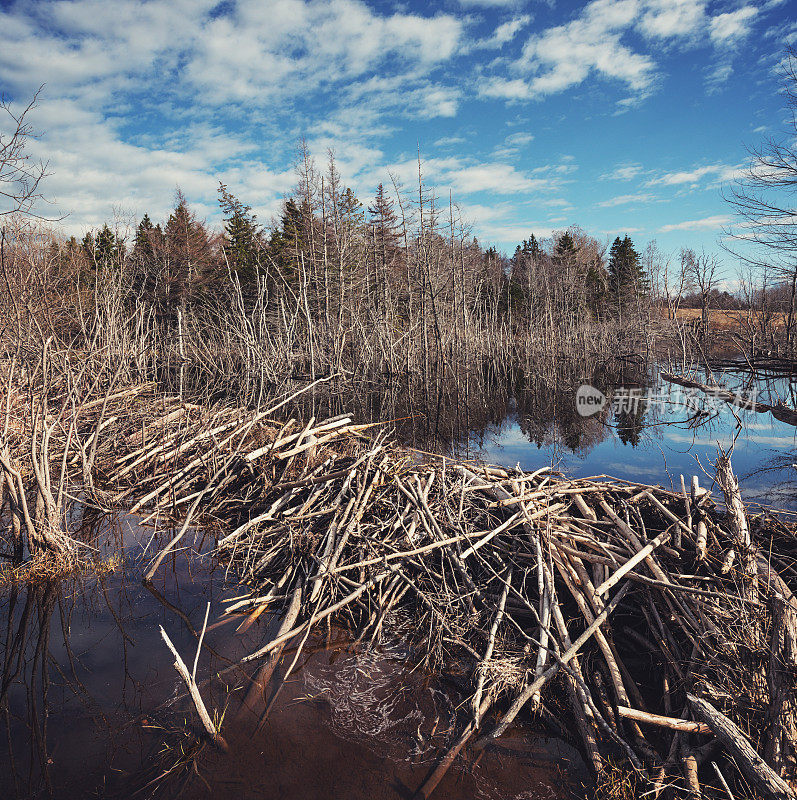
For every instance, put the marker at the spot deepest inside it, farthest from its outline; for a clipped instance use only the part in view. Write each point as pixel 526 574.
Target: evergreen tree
pixel 143 249
pixel 188 252
pixel 521 271
pixel 242 236
pixel 385 227
pixel 385 241
pixel 596 289
pixel 288 240
pixel 103 248
pixel 351 209
pixel 565 250
pixel 531 247
pixel 87 243
pixel 147 251
pixel 627 279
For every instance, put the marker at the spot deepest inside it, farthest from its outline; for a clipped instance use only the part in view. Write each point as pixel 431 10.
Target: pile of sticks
pixel 654 627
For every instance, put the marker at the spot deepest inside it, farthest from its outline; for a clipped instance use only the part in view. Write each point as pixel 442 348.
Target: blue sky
pixel 621 116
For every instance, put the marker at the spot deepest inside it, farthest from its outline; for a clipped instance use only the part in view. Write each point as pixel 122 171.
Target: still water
pixel 652 433
pixel 92 706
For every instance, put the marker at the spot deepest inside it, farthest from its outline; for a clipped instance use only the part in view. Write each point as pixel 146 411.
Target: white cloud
pixel 288 46
pixel 666 19
pixel 506 31
pixel 625 199
pixel 707 223
pixel 623 172
pixel 597 42
pixel 504 89
pixel 488 3
pixel 727 28
pixel 497 178
pixel 720 173
pixel 565 55
pixel 449 141
pixel 131 87
pixel 514 232
pixel 512 145
pixel 518 139
pixel 622 231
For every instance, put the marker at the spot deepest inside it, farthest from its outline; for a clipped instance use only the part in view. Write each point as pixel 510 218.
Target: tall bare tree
pixel 20 173
pixel 764 202
pixel 704 270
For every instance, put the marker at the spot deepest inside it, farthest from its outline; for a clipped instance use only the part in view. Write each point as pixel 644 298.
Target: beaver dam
pixel 654 629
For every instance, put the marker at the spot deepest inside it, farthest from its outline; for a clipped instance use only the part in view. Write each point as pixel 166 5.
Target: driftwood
pixel 755 768
pixel 780 411
pixel 193 689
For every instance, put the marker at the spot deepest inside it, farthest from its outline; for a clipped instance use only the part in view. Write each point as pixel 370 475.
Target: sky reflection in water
pixel 661 441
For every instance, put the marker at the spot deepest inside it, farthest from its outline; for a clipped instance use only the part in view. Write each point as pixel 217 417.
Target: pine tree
pixel 147 250
pixel 521 269
pixel 242 236
pixel 103 248
pixel 385 241
pixel 287 241
pixel 627 279
pixel 531 247
pixel 385 226
pixel 189 255
pixel 351 209
pixel 565 250
pixel 87 243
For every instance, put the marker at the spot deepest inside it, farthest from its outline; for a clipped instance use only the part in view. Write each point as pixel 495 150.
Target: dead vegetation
pixel 656 628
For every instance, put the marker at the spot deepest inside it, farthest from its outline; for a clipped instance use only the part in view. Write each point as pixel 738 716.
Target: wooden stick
pixel 672 723
pixel 193 690
pixel 756 770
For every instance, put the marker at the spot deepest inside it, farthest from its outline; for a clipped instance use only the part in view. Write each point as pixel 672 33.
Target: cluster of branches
pixel 399 288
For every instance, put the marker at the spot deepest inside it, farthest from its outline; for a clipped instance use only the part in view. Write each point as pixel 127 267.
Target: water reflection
pixel 84 667
pixel 651 431
pixel 92 706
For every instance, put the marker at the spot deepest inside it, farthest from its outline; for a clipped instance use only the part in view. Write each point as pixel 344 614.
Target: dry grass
pixel 617 783
pixel 728 319
pixel 45 567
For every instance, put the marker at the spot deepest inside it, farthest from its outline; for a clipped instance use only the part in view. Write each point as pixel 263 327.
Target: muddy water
pixel 91 704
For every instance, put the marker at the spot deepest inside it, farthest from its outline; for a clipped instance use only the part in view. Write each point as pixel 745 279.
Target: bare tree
pixel 674 281
pixel 20 174
pixel 705 271
pixel 763 199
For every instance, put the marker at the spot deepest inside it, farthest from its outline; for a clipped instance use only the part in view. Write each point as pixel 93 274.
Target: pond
pixel 92 706
pixel 651 432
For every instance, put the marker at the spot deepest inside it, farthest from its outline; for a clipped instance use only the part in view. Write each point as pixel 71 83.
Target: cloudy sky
pixel 617 115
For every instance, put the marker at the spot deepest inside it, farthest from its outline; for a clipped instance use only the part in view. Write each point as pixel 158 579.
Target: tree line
pixel 395 287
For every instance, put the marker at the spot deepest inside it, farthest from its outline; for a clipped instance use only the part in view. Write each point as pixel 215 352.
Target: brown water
pixel 91 704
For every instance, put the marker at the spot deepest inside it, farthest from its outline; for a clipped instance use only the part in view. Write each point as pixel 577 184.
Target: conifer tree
pixel 385 226
pixel 189 255
pixel 531 247
pixel 103 248
pixel 287 241
pixel 385 238
pixel 147 250
pixel 627 280
pixel 242 236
